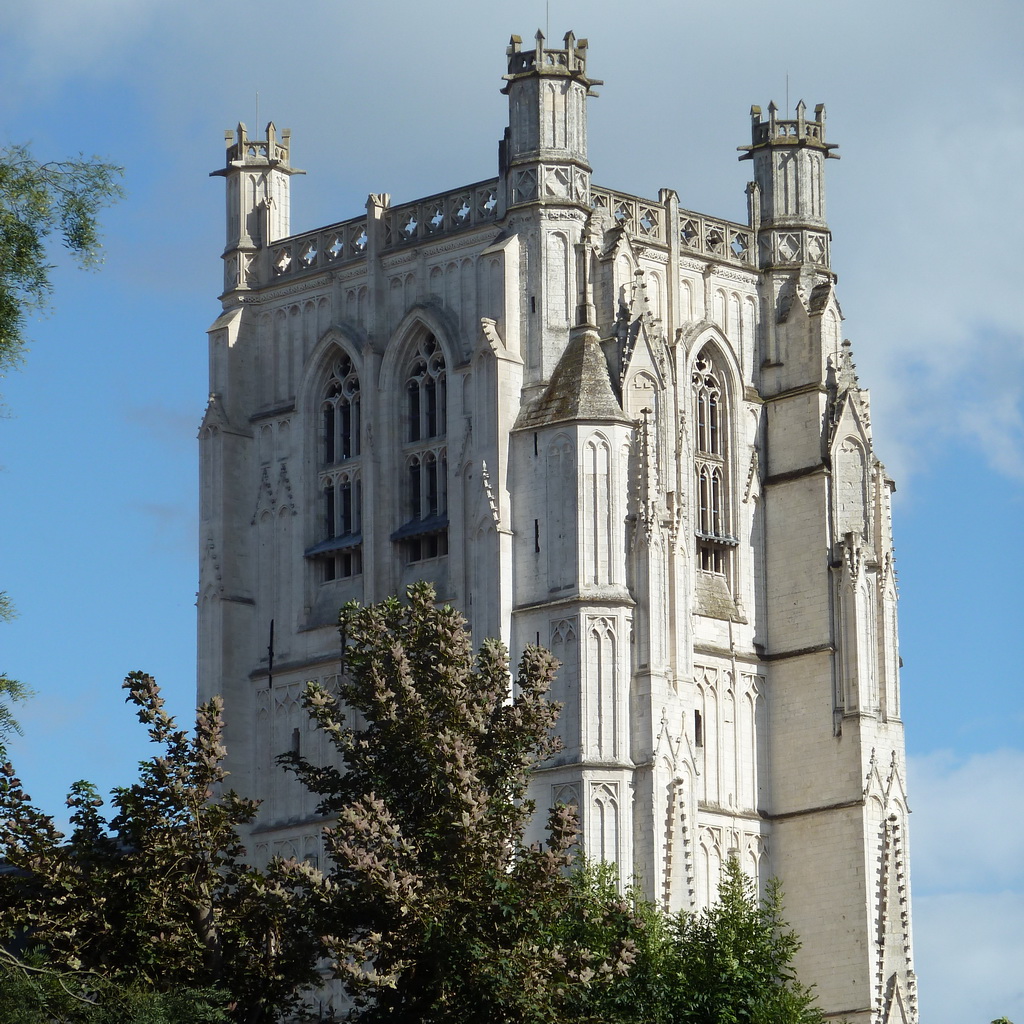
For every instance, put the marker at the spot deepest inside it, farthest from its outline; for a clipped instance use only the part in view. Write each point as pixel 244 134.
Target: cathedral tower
pixel 601 422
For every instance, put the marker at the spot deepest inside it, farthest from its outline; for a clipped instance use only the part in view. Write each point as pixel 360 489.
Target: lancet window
pixel 424 534
pixel 339 551
pixel 713 526
pixel 339 412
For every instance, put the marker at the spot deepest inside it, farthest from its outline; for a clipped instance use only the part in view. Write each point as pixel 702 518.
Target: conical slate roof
pixel 580 388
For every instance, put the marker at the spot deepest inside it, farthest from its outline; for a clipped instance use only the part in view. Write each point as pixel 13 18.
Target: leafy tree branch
pixel 37 200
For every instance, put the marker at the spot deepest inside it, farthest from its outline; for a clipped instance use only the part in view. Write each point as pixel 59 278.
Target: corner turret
pixel 543 156
pixel 788 201
pixel 258 199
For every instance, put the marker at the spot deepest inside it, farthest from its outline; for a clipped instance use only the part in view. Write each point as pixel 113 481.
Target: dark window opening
pixel 343 565
pixel 432 507
pixel 424 534
pixel 414 411
pixel 329 434
pixel 430 545
pixel 431 390
pixel 713 526
pixel 414 489
pixel 329 511
pixel 714 558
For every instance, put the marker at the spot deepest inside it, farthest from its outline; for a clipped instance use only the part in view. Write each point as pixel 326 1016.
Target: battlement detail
pixel 448 213
pixel 270 151
pixel 571 60
pixel 800 131
pixel 443 214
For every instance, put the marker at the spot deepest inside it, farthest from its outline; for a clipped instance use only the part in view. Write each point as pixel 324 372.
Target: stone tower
pixel 605 423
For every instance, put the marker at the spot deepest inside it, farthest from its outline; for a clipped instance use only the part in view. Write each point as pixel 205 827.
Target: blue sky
pixel 98 455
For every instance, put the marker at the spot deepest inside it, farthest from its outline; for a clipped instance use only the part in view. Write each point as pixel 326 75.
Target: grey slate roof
pixel 579 389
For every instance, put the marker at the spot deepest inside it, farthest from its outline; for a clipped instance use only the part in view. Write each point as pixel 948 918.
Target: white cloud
pixel 967 827
pixel 62 38
pixel 967 872
pixel 969 950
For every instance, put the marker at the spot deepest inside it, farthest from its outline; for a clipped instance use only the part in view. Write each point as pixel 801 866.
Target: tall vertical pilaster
pixel 836 803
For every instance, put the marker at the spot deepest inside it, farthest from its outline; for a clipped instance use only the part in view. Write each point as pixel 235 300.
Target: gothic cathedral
pixel 605 423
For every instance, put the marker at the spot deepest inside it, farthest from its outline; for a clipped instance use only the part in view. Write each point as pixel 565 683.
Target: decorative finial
pixel 847 376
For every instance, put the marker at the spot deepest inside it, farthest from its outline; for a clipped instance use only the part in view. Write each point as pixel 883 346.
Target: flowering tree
pixel 437 910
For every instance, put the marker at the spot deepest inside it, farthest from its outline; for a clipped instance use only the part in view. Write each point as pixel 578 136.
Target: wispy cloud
pixel 173 527
pixel 969 949
pixel 967 872
pixel 170 426
pixel 984 789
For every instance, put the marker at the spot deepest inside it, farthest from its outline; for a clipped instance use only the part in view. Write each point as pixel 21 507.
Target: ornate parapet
pixel 347 241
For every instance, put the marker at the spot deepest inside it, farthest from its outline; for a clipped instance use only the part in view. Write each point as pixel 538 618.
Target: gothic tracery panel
pixel 597 510
pixel 605 826
pixel 603 669
pixel 564 645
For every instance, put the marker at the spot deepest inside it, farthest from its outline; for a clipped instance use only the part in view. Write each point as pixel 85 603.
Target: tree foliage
pixel 431 906
pixel 437 910
pixel 159 899
pixel 436 907
pixel 11 691
pixel 37 199
pixel 33 993
pixel 733 962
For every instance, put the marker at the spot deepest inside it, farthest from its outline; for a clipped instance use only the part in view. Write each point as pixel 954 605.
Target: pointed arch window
pixel 424 533
pixel 713 525
pixel 339 414
pixel 338 552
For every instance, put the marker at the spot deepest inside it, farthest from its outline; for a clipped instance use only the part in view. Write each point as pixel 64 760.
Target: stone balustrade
pixel 442 214
pixel 473 205
pixel 718 239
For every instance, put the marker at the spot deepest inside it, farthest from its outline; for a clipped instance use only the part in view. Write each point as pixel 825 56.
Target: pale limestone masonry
pixel 607 424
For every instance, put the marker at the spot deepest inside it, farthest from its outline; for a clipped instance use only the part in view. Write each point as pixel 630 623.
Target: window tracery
pixel 339 552
pixel 425 532
pixel 339 413
pixel 713 526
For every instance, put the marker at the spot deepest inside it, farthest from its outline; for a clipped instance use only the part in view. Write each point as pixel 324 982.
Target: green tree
pixel 733 962
pixel 35 994
pixel 730 964
pixel 37 199
pixel 436 910
pixel 160 899
pixel 11 691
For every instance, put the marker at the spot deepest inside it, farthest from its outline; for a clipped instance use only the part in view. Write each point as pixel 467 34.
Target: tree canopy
pixel 430 906
pixel 159 899
pixel 438 910
pixel 36 200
